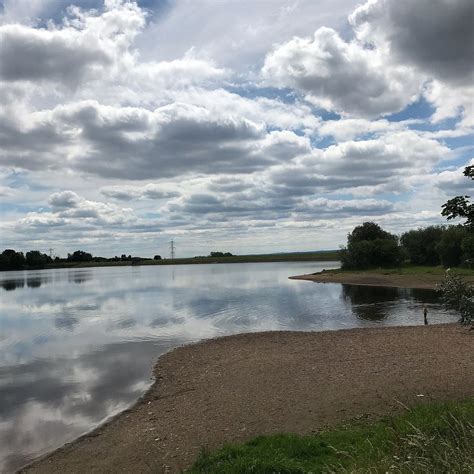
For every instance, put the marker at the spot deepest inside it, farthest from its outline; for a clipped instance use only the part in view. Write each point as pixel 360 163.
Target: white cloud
pixel 130 193
pixel 341 76
pixel 85 46
pixel 435 36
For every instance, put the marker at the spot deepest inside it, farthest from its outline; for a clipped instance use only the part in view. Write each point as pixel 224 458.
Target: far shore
pixel 234 388
pixel 319 256
pixel 408 277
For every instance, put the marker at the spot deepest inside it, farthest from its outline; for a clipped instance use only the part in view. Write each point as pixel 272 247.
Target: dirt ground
pixel 427 281
pixel 237 387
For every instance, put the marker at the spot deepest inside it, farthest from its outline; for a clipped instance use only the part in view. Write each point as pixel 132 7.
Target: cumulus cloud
pixel 341 76
pixel 382 163
pixel 130 193
pixel 435 36
pixel 69 205
pixel 398 47
pixel 85 45
pixel 453 182
pixel 348 129
pixel 135 143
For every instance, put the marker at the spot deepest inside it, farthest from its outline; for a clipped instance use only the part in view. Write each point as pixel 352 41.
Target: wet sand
pixel 234 388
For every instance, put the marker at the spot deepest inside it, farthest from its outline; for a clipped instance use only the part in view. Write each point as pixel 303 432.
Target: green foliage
pixel 36 259
pixel 467 246
pixel 220 254
pixel 79 256
pixel 11 260
pixel 450 246
pixel 368 245
pixel 460 206
pixel 369 231
pixel 428 438
pixel 420 245
pixel 157 257
pixel 458 295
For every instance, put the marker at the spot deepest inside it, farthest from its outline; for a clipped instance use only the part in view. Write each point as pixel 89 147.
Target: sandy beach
pixel 234 388
pixel 377 278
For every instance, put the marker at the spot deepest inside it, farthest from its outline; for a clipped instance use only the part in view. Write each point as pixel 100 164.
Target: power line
pixel 172 249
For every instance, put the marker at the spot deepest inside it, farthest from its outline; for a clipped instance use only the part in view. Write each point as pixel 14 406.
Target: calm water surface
pixel 78 345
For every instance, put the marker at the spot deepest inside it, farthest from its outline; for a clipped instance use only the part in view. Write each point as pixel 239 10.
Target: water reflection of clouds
pixel 45 403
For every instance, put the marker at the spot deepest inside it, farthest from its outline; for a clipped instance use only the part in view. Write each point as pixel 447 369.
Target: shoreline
pixel 233 388
pixel 426 281
pixel 323 256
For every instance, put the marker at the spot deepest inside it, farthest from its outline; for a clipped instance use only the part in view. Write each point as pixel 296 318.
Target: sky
pixel 242 126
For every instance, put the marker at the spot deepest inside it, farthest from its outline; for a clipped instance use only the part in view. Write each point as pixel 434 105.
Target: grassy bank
pixel 409 270
pixel 322 256
pixel 427 438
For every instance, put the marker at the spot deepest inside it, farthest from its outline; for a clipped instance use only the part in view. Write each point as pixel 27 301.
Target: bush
pixel 458 295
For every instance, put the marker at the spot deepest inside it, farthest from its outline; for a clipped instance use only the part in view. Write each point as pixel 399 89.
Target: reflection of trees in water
pixel 9 285
pixel 79 276
pixel 370 302
pixel 34 282
pixel 30 281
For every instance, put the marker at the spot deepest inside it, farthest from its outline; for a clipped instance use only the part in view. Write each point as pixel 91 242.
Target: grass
pixel 415 270
pixel 433 438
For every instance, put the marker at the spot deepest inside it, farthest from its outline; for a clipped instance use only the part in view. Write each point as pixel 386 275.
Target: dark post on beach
pixel 425 315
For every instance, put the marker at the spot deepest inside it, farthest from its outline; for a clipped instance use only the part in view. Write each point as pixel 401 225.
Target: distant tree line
pixel 215 254
pixel 12 260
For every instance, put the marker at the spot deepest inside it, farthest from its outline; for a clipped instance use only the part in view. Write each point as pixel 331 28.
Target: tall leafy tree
pixel 460 206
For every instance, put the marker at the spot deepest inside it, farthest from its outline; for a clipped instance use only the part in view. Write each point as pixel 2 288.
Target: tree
pixel 220 254
pixel 368 231
pixel 421 245
pixel 11 260
pixel 157 257
pixel 450 247
pixel 368 245
pixel 79 256
pixel 36 259
pixel 460 206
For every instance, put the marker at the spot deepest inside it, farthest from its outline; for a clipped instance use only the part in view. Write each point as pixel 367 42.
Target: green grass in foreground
pixel 432 438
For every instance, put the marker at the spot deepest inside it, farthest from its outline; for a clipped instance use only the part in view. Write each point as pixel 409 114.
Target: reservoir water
pixel 77 345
